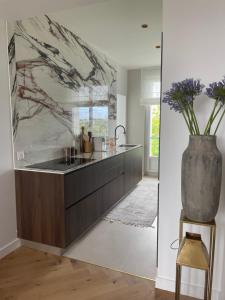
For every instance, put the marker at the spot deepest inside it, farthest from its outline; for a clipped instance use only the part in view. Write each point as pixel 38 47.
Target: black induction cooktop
pixel 60 164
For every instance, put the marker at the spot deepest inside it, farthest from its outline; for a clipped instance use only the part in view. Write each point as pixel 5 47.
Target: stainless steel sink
pixel 127 145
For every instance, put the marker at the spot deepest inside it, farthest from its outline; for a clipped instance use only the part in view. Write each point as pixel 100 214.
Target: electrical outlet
pixel 20 155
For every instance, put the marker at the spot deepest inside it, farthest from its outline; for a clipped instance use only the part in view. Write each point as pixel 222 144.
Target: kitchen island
pixel 56 204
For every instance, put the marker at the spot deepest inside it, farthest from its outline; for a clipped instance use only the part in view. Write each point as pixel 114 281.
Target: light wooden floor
pixel 28 274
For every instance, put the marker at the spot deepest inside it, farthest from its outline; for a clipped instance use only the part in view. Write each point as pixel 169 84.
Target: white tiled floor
pixel 120 247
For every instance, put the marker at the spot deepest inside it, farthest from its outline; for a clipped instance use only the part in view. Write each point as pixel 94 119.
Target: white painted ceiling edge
pixel 18 9
pixel 111 26
pixel 114 28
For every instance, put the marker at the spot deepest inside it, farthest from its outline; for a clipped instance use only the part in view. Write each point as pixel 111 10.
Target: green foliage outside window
pixel 154 136
pixel 94 119
pixel 98 127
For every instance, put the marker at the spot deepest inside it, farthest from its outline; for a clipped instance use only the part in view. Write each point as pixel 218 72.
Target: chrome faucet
pixel 124 131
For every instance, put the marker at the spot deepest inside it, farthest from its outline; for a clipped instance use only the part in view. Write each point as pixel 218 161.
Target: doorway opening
pixel 125 239
pixel 91 69
pixel 86 100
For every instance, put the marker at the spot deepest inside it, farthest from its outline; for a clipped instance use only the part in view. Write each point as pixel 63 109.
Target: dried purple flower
pixel 216 90
pixel 181 97
pixel 182 93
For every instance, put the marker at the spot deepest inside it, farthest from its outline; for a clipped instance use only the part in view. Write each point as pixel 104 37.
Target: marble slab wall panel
pixel 12 71
pixel 53 72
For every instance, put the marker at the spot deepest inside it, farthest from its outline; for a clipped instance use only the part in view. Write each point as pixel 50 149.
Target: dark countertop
pixel 59 166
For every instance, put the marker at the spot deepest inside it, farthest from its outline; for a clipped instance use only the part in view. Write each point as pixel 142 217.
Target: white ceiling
pixel 112 26
pixel 17 9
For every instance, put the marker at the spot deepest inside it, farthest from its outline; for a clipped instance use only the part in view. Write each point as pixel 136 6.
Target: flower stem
pixel 219 122
pixel 215 115
pixel 211 119
pixel 194 119
pixel 190 123
pixel 187 122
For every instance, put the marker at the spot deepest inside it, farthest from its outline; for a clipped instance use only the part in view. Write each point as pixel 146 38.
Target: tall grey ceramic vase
pixel 201 178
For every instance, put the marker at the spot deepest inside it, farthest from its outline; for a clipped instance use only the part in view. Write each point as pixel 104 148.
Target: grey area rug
pixel 139 208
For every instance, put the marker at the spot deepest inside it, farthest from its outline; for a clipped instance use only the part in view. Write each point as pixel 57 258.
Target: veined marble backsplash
pixel 57 82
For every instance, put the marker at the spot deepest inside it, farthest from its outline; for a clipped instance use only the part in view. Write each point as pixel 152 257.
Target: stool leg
pixel 178 282
pixel 206 285
pixel 181 232
pixel 212 250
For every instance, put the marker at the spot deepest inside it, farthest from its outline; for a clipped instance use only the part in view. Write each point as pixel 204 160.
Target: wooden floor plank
pixel 28 274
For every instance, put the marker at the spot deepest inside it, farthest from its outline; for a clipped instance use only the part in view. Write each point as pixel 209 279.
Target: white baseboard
pixel 222 296
pixel 43 247
pixel 151 174
pixel 191 290
pixel 10 247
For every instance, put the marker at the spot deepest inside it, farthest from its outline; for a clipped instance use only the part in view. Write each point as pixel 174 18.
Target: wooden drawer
pixel 110 169
pixel 82 215
pixel 79 184
pixel 113 192
pixel 133 168
pixel 85 181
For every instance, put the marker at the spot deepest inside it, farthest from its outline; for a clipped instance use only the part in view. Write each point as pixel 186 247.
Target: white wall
pixel 194 46
pixel 138 123
pixel 121 118
pixel 121 80
pixel 115 26
pixel 135 111
pixel 7 190
pixel 12 9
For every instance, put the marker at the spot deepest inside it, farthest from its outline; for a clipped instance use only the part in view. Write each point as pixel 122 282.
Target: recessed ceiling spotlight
pixel 158 46
pixel 144 26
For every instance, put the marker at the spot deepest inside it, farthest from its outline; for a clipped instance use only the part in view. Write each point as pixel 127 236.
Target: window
pixel 94 119
pixel 100 92
pixel 150 86
pixel 155 89
pixel 94 93
pixel 154 130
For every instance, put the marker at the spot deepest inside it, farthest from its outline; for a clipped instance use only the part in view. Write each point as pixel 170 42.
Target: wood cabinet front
pixel 40 207
pixel 55 209
pixel 82 215
pixel 85 181
pixel 133 168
